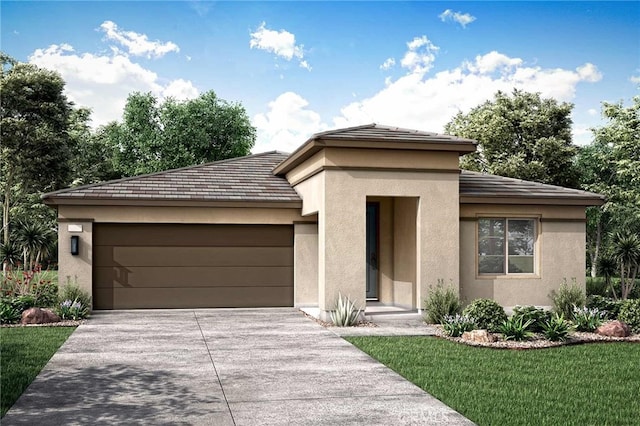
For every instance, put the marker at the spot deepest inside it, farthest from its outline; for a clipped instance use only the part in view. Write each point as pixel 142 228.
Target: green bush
pixel 487 314
pixel 610 308
pixel 23 302
pixel 71 291
pixel 516 328
pixel 441 302
pixel 557 328
pixel 597 287
pixel 8 313
pixel 537 316
pixel 587 319
pixel 46 294
pixel 456 325
pixel 72 310
pixel 345 314
pixel 630 314
pixel 566 297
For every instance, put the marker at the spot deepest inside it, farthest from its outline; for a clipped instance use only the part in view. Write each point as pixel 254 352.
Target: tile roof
pixel 379 132
pixel 244 179
pixel 481 185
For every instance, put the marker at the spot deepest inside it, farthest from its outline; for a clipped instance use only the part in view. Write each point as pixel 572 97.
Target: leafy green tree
pixel 35 149
pixel 156 136
pixel 610 165
pixel 522 136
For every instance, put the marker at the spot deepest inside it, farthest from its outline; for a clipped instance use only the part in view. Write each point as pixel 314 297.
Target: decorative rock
pixel 38 316
pixel 614 329
pixel 479 336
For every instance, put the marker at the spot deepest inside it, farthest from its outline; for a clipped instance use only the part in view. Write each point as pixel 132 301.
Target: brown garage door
pixel 192 266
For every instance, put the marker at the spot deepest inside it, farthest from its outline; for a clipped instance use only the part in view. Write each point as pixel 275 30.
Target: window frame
pixel 535 220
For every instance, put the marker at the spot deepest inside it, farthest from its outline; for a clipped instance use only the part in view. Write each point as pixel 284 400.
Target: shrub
pixel 597 286
pixel 566 297
pixel 609 308
pixel 630 314
pixel 8 313
pixel 23 302
pixel 587 319
pixel 441 302
pixel 557 328
pixel 487 313
pixel 71 291
pixel 345 314
pixel 72 310
pixel 516 328
pixel 46 294
pixel 455 325
pixel 537 316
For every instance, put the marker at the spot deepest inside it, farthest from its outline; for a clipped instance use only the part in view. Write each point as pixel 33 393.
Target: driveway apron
pixel 218 367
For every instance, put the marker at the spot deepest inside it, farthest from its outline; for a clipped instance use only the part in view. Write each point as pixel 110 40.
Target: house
pixel 371 212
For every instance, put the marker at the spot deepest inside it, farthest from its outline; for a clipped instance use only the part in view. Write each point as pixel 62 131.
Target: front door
pixel 373 213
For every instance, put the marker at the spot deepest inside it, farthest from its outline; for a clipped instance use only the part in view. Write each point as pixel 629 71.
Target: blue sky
pixel 303 67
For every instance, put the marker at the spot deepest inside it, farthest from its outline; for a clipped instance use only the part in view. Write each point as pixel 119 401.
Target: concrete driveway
pixel 218 367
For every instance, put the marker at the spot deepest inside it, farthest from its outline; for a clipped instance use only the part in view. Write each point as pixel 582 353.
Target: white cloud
pixel 282 43
pixel 388 64
pixel 635 79
pixel 137 44
pixel 288 123
pixel 103 82
pixel 592 112
pixel 420 56
pixel 418 102
pixel 463 19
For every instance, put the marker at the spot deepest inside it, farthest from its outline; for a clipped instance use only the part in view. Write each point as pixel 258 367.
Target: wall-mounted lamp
pixel 75 245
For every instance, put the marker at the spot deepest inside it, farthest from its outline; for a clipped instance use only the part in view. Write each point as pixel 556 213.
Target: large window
pixel 506 246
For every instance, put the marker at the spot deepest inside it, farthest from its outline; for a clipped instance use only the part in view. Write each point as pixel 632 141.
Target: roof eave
pixel 171 202
pixel 533 200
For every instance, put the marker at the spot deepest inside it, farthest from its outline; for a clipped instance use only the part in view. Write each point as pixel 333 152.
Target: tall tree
pixel 156 136
pixel 522 136
pixel 610 165
pixel 35 146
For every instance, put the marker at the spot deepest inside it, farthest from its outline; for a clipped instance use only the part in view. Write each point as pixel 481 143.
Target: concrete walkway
pixel 218 367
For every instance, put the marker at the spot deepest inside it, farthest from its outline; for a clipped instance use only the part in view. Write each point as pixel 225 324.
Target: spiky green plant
pixel 345 313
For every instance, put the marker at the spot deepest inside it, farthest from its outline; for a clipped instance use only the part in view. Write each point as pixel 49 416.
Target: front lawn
pixel 24 352
pixel 587 384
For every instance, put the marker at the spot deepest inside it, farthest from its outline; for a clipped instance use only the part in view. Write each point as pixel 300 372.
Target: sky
pixel 303 67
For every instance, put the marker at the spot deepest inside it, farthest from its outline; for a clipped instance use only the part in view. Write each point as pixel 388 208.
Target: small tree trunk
pixel 596 250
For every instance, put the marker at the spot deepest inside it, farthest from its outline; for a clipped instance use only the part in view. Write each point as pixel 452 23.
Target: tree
pixel 35 150
pixel 156 136
pixel 521 136
pixel 610 165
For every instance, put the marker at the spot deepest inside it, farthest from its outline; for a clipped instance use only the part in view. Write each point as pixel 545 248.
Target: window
pixel 506 246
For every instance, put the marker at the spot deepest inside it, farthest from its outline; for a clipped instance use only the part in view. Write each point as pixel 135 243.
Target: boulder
pixel 482 336
pixel 614 329
pixel 38 316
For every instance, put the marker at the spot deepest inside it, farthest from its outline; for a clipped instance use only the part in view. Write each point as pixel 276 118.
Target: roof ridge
pixel 342 130
pixel 162 172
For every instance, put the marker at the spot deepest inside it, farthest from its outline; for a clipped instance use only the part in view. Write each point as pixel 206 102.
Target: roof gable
pixel 243 179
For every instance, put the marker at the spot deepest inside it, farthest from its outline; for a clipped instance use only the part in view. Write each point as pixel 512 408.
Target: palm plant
pixel 626 250
pixel 35 239
pixel 9 255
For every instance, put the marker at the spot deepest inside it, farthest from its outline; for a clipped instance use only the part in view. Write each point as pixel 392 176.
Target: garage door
pixel 192 266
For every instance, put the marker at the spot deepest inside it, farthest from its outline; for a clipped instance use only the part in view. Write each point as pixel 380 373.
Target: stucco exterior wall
pixel 148 214
pixel 75 269
pixel 305 265
pixel 560 254
pixel 342 224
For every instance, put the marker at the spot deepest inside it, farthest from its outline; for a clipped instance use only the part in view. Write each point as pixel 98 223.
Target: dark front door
pixel 373 213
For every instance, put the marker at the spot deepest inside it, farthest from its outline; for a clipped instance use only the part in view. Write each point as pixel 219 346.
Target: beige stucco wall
pixel 75 269
pixel 385 246
pixel 305 265
pixel 404 252
pixel 560 254
pixel 142 214
pixel 342 224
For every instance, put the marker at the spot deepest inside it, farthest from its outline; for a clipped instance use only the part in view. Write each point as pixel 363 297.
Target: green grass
pixel 24 352
pixel 590 384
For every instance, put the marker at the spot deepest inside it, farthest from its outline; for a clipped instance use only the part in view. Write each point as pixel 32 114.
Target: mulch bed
pixel 330 324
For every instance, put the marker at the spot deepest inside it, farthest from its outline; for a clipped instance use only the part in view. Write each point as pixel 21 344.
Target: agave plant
pixel 345 314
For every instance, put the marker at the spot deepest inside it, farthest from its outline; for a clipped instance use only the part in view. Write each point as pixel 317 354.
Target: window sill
pixel 508 277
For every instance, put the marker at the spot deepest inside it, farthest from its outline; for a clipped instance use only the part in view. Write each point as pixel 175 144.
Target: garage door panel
pixel 190 266
pixel 202 297
pixel 274 276
pixel 193 235
pixel 194 256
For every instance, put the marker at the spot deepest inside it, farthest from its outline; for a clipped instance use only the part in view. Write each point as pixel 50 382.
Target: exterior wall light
pixel 75 245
